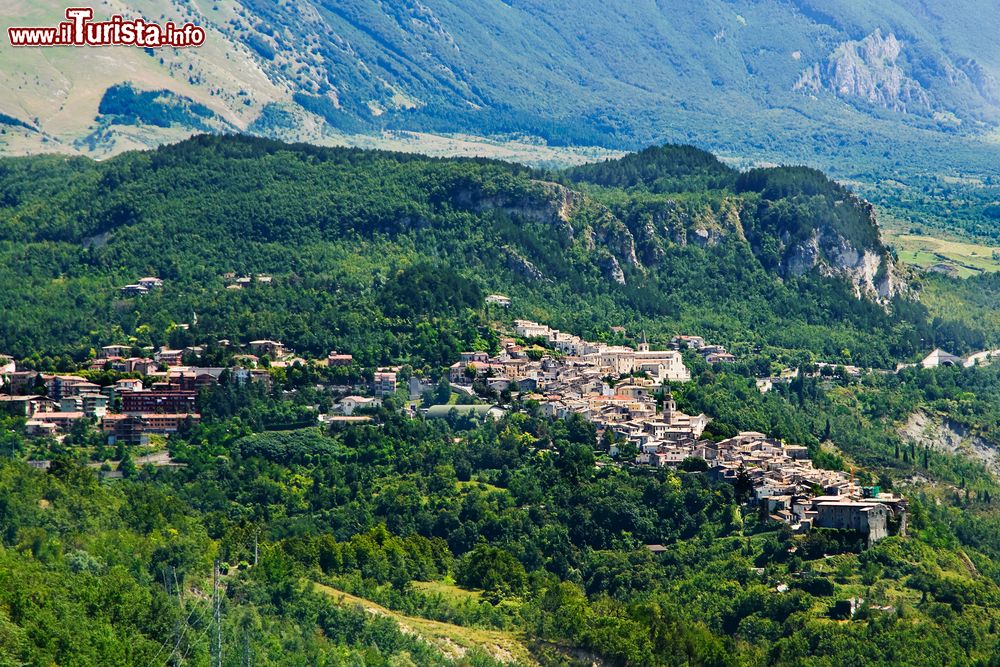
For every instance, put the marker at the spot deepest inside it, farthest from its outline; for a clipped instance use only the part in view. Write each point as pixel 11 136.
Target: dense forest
pixel 668 240
pixel 491 542
pixel 406 540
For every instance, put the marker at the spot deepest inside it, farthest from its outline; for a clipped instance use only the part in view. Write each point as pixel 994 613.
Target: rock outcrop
pixel 521 266
pixel 576 218
pixel 871 273
pixel 868 70
pixel 589 229
pixel 946 435
pixel 612 269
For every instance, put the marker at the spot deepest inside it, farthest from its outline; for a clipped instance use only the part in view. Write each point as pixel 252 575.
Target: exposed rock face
pixel 548 203
pixel 613 270
pixel 683 224
pixel 945 435
pixel 521 266
pixel 702 236
pixel 578 220
pixel 871 273
pixel 615 249
pixel 613 234
pixel 802 258
pixel 868 70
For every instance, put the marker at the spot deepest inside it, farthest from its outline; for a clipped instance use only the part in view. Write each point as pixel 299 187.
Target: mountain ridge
pixel 323 70
pixel 340 230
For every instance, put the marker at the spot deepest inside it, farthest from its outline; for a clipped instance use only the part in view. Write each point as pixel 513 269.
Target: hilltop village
pixel 623 391
pixel 585 378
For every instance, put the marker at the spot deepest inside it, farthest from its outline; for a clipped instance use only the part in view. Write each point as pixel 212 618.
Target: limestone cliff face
pixel 870 268
pixel 943 434
pixel 620 252
pixel 521 266
pixel 576 219
pixel 545 203
pixel 869 70
pixel 672 222
pixel 871 272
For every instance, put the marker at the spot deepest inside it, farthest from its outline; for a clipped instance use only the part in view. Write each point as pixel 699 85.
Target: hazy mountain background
pixel 900 89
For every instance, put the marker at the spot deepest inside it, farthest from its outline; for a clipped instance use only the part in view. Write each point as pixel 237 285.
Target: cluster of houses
pixel 384 383
pixel 782 476
pixel 235 282
pixel 142 286
pixel 584 378
pixel 713 354
pixel 620 389
pixel 576 380
pixel 53 403
pixel 787 485
pixel 576 357
pixel 160 401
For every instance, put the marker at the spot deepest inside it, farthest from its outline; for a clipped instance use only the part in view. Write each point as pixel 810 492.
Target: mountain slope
pixel 374 252
pixel 843 85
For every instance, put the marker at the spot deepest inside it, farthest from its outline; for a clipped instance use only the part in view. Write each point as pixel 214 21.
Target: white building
pixel 940 358
pixel 351 403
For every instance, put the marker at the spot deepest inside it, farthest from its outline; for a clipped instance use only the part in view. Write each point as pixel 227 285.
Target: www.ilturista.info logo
pixel 79 30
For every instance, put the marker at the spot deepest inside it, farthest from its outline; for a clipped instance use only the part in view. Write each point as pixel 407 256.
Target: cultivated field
pixel 959 258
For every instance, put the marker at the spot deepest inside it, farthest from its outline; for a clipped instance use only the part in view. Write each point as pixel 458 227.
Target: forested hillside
pixel 483 544
pixel 387 538
pixel 780 258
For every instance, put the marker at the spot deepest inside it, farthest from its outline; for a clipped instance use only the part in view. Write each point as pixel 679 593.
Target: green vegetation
pixel 455 640
pixel 341 546
pixel 461 541
pixel 974 301
pixel 950 205
pixel 124 105
pixel 952 257
pixel 717 74
pixel 387 255
pixel 659 169
pixel 720 75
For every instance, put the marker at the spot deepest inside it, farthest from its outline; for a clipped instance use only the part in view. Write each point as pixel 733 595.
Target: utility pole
pixel 217 617
pixel 255 551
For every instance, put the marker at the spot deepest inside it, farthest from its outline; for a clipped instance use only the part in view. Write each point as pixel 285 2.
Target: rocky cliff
pixel 869 267
pixel 871 272
pixel 942 434
pixel 870 70
pixel 577 220
pixel 795 220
